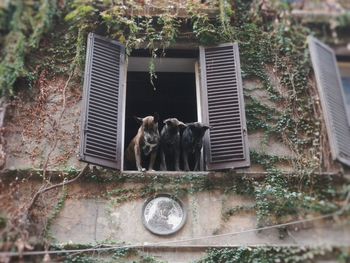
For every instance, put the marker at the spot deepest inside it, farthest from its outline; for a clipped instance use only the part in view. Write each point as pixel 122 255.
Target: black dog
pixel 144 143
pixel 192 142
pixel 170 143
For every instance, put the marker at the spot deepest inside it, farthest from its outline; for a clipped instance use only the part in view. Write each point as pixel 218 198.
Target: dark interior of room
pixel 172 96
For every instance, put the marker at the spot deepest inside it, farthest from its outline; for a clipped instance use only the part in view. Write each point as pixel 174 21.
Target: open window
pixel 333 99
pixel 344 67
pixel 209 91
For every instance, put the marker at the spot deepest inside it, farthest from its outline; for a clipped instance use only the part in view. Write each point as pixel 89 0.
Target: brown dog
pixel 145 143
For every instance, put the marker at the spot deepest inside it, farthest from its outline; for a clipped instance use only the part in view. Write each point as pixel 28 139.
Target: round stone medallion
pixel 163 214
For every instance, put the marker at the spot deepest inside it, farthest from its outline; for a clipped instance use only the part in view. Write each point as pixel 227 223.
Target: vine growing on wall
pixel 270 254
pixel 155 33
pixel 271 42
pixel 26 24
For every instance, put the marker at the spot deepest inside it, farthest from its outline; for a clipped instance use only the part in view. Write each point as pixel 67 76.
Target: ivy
pixel 236 210
pixel 267 49
pixel 26 29
pixel 56 210
pixel 266 254
pixel 205 31
pixel 259 116
pixel 170 26
pixel 42 21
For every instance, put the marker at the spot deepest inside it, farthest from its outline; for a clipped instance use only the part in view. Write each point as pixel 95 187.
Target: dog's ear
pixel 191 126
pixel 182 125
pixel 138 120
pixel 155 117
pixel 206 127
pixel 167 121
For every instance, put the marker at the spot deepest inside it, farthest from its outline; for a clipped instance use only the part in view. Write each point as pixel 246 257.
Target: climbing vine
pixel 270 254
pixel 271 42
pixel 27 25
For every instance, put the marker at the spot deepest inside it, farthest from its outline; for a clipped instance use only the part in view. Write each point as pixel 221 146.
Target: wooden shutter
pixel 332 99
pixel 102 119
pixel 226 146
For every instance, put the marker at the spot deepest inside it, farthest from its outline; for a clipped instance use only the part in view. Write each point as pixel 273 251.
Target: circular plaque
pixel 163 214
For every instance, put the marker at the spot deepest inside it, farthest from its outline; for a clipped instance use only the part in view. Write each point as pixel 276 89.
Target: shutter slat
pixel 227 75
pixel 108 100
pixel 102 123
pixel 106 51
pixel 100 144
pixel 105 66
pixel 97 135
pixel 216 88
pixel 110 64
pixel 101 120
pixel 100 115
pixel 222 68
pixel 104 92
pixel 103 42
pixel 95 83
pixel 224 97
pixel 227 144
pixel 111 60
pixel 100 103
pixel 105 77
pixel 332 99
pixel 98 82
pixel 101 130
pixel 99 153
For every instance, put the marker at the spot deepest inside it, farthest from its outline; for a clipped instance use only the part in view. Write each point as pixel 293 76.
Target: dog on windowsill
pixel 170 144
pixel 144 144
pixel 192 142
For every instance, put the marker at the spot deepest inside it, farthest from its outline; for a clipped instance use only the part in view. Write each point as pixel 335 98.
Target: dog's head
pixel 174 124
pixel 149 124
pixel 198 129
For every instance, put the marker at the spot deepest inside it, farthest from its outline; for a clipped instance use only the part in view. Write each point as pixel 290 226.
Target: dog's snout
pixel 147 149
pixel 154 140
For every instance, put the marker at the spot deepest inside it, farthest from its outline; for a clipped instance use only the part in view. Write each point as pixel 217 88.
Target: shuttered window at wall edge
pixel 233 151
pixel 332 99
pixel 101 134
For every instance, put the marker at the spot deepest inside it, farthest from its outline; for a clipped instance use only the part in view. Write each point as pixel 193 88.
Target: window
pixel 345 77
pixel 113 92
pixel 333 99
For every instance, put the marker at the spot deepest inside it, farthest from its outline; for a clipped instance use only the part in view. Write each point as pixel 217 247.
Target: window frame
pixel 201 104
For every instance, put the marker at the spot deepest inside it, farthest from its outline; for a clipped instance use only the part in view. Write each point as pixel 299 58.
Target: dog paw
pixel 151 170
pixel 142 169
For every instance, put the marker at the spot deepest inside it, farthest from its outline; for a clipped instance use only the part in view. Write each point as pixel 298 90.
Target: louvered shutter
pixel 332 99
pixel 226 144
pixel 104 84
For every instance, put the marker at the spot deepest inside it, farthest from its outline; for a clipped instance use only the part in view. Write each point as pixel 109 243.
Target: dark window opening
pixel 173 95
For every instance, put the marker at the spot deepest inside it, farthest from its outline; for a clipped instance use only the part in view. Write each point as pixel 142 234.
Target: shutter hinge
pixel 85 128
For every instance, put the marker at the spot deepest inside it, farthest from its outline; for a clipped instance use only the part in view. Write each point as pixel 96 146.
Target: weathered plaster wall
pixel 51 141
pixel 34 140
pixel 91 221
pixel 42 129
